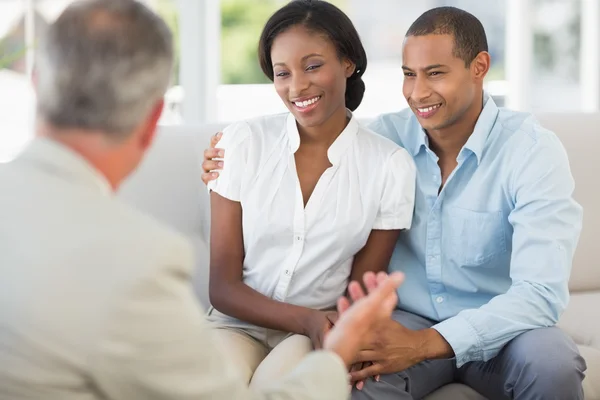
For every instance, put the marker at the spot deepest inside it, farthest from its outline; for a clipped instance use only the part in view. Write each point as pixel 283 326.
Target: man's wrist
pixel 434 346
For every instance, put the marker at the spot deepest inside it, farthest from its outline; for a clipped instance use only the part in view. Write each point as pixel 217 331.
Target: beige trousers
pixel 261 355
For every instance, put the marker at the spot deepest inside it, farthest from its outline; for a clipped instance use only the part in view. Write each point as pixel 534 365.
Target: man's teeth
pixel 428 109
pixel 307 103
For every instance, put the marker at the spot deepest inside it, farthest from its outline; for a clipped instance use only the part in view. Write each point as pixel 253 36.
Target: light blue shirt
pixel 490 256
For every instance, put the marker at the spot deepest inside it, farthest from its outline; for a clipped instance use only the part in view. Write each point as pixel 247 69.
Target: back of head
pixel 467 30
pixel 323 18
pixel 103 65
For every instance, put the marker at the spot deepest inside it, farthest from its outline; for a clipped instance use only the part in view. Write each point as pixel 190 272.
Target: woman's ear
pixel 349 67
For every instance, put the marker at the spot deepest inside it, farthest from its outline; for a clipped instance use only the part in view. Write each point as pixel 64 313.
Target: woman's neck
pixel 326 133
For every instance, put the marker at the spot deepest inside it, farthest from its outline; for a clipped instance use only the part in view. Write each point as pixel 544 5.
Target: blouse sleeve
pixel 398 198
pixel 236 143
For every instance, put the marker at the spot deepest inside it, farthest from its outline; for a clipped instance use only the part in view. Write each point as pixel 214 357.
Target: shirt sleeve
pixel 547 222
pixel 236 144
pixel 398 198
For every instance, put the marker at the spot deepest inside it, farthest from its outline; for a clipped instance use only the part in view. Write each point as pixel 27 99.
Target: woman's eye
pixel 312 67
pixel 281 74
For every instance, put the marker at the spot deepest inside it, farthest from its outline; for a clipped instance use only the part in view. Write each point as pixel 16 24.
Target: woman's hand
pixel 317 325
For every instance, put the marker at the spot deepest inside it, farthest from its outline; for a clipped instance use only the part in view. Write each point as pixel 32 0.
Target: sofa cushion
pixel 581 319
pixel 168 186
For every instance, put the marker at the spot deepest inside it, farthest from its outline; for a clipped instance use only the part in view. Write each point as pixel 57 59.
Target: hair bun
pixel 355 90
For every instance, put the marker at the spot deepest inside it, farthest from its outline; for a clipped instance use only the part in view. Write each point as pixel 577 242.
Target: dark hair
pixel 321 17
pixel 468 32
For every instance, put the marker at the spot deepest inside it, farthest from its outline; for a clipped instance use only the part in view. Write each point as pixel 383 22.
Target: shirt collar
pixel 477 140
pixel 337 148
pixel 483 127
pixel 60 160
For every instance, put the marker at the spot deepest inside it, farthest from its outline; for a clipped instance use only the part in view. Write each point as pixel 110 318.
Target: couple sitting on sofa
pixel 471 202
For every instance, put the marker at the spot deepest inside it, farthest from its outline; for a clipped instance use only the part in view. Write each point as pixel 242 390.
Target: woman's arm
pixel 376 254
pixel 230 295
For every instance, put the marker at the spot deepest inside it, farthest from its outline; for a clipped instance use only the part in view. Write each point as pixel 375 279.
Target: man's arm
pixel 158 346
pixel 547 223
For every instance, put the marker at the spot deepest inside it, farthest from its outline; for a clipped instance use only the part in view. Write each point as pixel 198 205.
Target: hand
pixel 360 366
pixel 396 348
pixel 209 165
pixel 351 332
pixel 317 326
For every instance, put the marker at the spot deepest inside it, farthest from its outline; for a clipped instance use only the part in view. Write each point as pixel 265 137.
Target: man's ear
pixel 480 65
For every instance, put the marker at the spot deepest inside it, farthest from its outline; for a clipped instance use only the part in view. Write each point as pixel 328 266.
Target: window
pixel 545 56
pixel 22 24
pixel 16 95
pixel 556 63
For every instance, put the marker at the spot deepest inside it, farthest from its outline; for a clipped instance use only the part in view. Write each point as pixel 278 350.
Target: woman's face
pixel 308 75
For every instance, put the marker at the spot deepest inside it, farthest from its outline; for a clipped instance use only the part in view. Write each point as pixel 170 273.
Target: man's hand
pixel 356 321
pixel 209 166
pixel 317 326
pixel 396 348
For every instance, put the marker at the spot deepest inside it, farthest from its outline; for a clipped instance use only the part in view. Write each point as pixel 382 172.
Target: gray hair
pixel 103 65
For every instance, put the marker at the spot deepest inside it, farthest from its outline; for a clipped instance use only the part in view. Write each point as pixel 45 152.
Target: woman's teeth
pixel 307 103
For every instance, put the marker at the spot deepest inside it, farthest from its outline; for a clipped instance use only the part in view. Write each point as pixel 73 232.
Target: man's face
pixel 438 86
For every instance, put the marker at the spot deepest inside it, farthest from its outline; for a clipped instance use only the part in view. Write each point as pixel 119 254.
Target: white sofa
pixel 168 186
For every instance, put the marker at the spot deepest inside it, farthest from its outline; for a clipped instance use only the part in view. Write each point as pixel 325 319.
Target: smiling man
pixel 488 257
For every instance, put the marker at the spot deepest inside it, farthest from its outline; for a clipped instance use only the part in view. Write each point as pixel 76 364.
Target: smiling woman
pixel 323 198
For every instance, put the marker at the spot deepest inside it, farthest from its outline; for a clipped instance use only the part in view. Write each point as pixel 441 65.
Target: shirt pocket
pixel 476 237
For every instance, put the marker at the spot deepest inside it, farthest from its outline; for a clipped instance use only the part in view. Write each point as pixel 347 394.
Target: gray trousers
pixel 540 364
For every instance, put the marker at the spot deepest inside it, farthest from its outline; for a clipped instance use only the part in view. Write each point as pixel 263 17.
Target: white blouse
pixel 301 255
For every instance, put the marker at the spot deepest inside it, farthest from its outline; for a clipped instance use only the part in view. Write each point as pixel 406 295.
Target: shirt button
pixel 299 238
pixel 439 299
pixel 287 272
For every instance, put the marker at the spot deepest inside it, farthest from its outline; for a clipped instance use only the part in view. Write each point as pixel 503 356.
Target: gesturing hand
pixel 360 313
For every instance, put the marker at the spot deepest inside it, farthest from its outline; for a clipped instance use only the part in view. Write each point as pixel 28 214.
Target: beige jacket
pixel 96 299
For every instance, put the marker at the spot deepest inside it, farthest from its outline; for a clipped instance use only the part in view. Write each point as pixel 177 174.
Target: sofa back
pixel 168 186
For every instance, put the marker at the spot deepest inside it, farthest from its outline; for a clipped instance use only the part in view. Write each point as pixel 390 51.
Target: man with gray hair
pixel 96 299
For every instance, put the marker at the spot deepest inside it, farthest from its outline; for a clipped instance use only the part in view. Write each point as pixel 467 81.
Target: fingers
pixel 343 305
pixel 209 176
pixel 211 153
pixel 215 139
pixel 371 281
pixel 357 367
pixel 211 165
pixel 371 370
pixel 367 355
pixel 386 290
pixel 355 291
